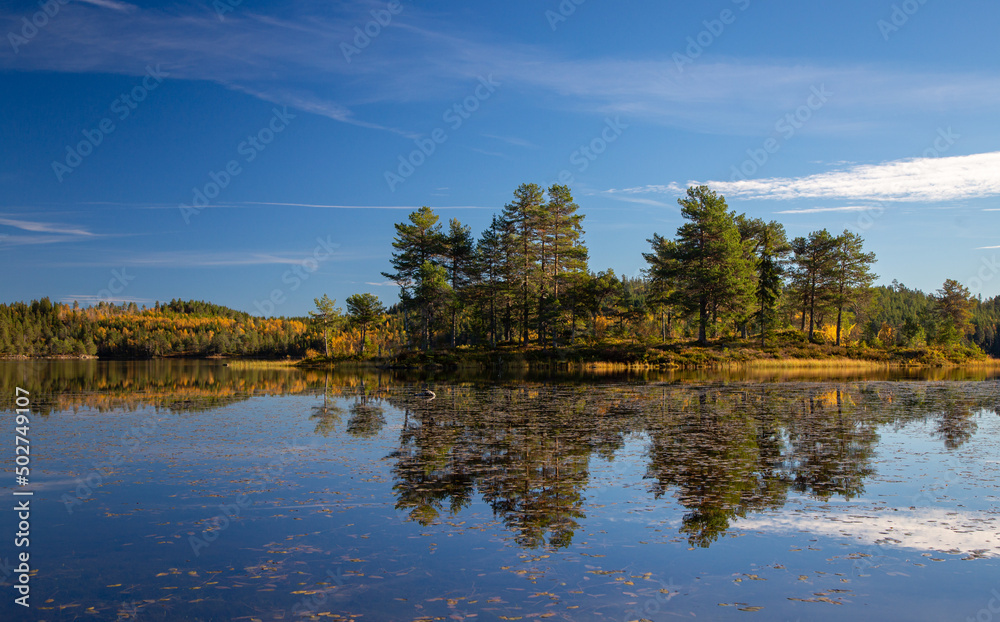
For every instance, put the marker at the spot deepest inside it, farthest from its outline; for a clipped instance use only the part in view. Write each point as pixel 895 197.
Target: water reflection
pixel 614 497
pixel 724 447
pixel 722 451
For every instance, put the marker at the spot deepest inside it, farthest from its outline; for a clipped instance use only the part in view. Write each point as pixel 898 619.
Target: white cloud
pixel 917 179
pixel 923 529
pixel 951 178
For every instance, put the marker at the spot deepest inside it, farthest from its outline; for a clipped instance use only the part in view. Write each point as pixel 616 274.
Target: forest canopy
pixel 526 282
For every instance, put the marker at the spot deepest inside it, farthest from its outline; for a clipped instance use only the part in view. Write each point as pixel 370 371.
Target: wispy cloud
pixel 124 7
pixel 402 207
pixel 29 240
pixel 302 65
pixel 670 189
pixel 513 140
pixel 952 178
pixel 192 259
pixel 818 210
pixel 43 227
pixel 628 198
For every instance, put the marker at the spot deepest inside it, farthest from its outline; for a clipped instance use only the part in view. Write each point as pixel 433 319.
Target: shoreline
pixel 610 358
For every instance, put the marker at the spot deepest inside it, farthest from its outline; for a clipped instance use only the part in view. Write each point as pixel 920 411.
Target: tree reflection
pixel 525 449
pixel 722 451
pixel 720 458
pixel 328 414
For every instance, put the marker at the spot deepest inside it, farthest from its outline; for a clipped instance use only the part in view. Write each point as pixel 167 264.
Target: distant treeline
pixel 526 282
pixel 193 328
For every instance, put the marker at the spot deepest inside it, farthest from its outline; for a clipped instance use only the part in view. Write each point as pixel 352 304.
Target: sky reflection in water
pixel 191 491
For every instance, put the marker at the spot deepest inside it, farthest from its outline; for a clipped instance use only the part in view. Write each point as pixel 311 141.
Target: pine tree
pixel 364 310
pixel 491 259
pixel 523 217
pixel 953 305
pixel 769 248
pixel 815 260
pixel 852 275
pixel 458 253
pixel 433 295
pixel 328 316
pixel 706 263
pixel 415 244
pixel 563 239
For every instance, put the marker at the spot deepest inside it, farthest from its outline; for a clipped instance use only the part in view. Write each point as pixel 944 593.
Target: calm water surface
pixel 173 490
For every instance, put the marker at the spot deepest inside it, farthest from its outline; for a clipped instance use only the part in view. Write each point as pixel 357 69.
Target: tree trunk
pixel 703 320
pixel 812 308
pixel 763 324
pixel 454 324
pixel 840 312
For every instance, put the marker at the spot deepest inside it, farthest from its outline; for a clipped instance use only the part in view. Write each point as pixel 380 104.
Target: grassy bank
pixel 786 351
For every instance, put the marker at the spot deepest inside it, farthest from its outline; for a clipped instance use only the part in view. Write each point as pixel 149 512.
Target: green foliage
pixel 526 281
pixel 363 310
pixel 706 264
pixel 328 316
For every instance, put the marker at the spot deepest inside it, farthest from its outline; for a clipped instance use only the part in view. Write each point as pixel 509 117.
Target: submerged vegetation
pixel 726 289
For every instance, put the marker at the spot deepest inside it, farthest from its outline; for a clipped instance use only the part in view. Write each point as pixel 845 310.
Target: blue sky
pixel 252 153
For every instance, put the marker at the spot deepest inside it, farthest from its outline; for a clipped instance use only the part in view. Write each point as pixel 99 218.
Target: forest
pixel 525 284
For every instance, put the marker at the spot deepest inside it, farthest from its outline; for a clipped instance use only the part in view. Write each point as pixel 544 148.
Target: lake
pixel 192 490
